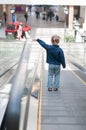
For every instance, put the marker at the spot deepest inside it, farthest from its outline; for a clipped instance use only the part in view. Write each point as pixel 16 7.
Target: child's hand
pixel 34 40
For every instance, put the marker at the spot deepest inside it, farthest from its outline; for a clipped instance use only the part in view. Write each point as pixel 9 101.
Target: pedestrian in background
pixel 50 15
pixel 14 17
pixel 37 12
pixel 55 57
pixel 5 17
pixel 19 32
pixel 26 16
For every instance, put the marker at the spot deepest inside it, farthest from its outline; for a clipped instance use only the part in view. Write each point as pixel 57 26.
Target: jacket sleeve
pixel 62 58
pixel 42 43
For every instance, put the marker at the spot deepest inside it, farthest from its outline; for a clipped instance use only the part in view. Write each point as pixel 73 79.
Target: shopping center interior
pixel 25 101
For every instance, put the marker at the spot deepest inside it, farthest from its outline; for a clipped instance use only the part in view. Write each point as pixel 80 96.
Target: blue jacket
pixel 55 54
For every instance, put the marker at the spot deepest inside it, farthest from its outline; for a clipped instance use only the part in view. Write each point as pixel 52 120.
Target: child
pixel 55 57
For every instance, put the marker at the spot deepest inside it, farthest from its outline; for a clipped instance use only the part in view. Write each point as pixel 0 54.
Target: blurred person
pixel 20 32
pixel 26 17
pixel 30 9
pixel 37 12
pixel 5 16
pixel 50 15
pixel 14 17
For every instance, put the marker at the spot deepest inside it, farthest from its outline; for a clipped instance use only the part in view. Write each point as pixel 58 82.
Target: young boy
pixel 55 57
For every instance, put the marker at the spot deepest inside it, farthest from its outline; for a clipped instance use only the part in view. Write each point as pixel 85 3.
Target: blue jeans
pixel 53 76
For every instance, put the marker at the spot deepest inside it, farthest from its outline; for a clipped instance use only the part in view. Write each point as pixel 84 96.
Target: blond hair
pixel 55 39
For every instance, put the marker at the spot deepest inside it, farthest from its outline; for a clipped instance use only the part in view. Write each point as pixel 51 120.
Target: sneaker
pixel 49 89
pixel 55 89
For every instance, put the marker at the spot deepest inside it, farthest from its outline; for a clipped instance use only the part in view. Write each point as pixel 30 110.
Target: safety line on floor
pixel 39 108
pixel 78 77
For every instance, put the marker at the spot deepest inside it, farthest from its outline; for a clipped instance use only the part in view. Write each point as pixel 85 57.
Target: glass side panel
pixel 10 53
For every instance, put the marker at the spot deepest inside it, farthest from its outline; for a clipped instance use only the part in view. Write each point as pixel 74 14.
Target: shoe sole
pixel 56 89
pixel 49 89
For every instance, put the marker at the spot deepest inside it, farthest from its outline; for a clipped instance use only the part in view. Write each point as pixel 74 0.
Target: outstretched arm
pixel 42 43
